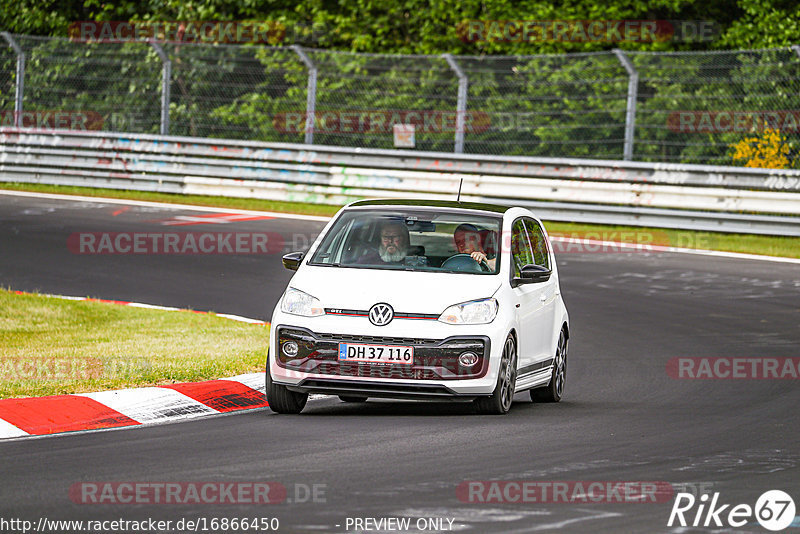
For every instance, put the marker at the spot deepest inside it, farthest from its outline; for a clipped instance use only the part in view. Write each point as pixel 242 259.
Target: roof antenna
pixel 459 190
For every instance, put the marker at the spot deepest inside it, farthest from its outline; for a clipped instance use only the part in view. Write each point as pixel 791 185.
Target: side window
pixel 538 243
pixel 520 247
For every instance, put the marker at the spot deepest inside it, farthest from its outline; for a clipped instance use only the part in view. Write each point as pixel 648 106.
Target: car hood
pixel 405 291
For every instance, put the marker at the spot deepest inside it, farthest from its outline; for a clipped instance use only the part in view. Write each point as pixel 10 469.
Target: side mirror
pixel 532 274
pixel 292 260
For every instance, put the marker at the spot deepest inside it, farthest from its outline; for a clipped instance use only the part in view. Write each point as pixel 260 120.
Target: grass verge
pixel 745 243
pixel 52 346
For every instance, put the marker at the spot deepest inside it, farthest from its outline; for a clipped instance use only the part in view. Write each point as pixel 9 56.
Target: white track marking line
pixel 151 404
pixel 65 297
pixel 152 306
pixel 251 380
pixel 230 316
pixel 7 430
pixel 661 248
pixel 240 318
pixel 147 203
pixel 183 220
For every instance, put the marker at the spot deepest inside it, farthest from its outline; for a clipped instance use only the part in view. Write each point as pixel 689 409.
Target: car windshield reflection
pixel 449 242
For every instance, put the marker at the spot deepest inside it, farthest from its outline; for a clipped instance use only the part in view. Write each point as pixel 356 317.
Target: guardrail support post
pixel 630 112
pixel 461 103
pixel 796 49
pixel 19 86
pixel 166 77
pixel 311 96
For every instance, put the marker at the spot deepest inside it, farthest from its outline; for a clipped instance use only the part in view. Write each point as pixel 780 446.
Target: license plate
pixel 356 352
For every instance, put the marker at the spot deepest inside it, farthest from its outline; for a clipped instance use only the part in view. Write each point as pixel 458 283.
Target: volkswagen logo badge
pixel 381 314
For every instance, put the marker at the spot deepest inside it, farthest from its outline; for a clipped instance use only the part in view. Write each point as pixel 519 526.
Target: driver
pixel 393 247
pixel 468 241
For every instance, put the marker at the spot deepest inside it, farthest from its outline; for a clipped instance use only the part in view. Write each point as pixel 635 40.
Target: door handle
pixel 543 297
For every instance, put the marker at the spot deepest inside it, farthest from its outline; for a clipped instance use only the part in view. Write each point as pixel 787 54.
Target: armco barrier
pixel 697 197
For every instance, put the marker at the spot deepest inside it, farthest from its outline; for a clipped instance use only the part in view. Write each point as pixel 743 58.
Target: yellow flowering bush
pixel 768 150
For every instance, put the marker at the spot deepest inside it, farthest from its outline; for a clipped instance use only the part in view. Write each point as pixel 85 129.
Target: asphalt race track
pixel 623 417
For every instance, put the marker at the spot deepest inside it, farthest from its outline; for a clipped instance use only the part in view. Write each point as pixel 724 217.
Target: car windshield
pixel 423 240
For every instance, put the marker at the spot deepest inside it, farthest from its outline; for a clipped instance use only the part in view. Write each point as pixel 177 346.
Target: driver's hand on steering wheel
pixel 478 256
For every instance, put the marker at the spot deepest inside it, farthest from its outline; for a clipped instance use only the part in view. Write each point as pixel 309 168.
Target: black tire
pixel 503 395
pixel 282 400
pixel 553 391
pixel 348 398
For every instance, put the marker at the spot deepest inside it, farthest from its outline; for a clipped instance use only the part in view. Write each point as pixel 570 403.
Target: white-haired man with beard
pixel 393 247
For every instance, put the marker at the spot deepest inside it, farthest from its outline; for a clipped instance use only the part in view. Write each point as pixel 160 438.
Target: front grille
pixel 433 359
pixel 375 371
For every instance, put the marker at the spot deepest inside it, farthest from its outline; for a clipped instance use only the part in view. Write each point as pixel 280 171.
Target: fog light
pixel 290 348
pixel 468 359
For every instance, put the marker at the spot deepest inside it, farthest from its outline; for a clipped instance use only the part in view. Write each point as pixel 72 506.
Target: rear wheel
pixel 555 389
pixel 281 399
pixel 500 401
pixel 349 398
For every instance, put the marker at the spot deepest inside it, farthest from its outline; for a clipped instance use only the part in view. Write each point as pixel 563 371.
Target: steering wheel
pixel 465 263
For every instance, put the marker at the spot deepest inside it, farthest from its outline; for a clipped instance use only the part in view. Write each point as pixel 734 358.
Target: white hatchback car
pixel 421 300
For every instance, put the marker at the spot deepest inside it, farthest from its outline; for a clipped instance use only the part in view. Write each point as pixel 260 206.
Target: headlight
pixel 473 312
pixel 297 302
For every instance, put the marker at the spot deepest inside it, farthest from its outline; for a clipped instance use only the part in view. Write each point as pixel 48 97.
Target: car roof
pixel 420 203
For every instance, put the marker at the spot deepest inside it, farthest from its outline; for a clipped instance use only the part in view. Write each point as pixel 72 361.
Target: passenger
pixel 468 241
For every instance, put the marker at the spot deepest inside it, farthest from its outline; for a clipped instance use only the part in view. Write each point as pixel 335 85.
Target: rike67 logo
pixel 774 510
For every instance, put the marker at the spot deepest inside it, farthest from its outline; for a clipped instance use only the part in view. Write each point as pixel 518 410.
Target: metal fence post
pixel 796 49
pixel 311 96
pixel 630 112
pixel 19 86
pixel 166 80
pixel 461 103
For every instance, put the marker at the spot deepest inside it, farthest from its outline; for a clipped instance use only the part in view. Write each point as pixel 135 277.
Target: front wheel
pixel 553 391
pixel 502 396
pixel 282 400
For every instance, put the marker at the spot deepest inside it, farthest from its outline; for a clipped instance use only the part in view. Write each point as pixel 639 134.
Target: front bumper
pixel 433 360
pixel 380 389
pixel 434 373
